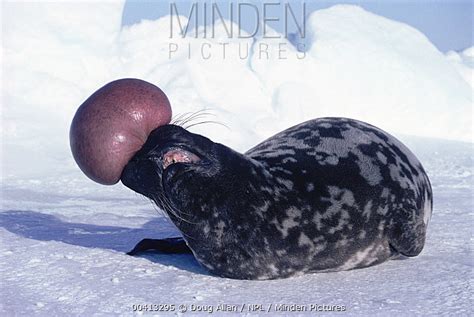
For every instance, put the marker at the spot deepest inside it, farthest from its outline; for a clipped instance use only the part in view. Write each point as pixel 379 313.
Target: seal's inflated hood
pixel 113 124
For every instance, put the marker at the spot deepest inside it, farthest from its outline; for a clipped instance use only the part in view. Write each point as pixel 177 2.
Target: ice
pixel 64 238
pixel 464 63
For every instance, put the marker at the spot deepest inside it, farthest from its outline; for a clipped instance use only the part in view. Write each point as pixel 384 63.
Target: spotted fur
pixel 326 195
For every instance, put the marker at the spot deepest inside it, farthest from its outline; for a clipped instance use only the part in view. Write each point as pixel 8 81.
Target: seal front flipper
pixel 169 245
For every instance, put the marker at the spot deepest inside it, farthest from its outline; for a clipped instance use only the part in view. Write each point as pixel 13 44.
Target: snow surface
pixel 63 237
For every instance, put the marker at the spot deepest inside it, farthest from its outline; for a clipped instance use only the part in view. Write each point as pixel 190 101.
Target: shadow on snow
pixel 44 227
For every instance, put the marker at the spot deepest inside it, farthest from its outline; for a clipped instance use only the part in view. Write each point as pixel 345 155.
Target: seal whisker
pixel 179 117
pixel 160 201
pixel 207 121
pixel 174 212
pixel 169 208
pixel 156 208
pixel 163 211
pixel 195 116
pixel 186 116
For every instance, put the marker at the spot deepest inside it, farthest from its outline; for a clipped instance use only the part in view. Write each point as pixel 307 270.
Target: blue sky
pixel 448 24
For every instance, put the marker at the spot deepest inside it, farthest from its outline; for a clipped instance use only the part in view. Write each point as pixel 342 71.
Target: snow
pixel 464 63
pixel 64 238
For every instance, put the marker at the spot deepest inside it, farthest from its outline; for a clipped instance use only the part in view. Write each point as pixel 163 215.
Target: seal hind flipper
pixel 408 239
pixel 169 245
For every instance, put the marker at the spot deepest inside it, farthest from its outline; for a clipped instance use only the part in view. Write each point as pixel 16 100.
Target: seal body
pixel 326 195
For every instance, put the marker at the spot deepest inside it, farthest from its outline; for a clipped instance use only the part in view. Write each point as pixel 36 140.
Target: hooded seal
pixel 328 194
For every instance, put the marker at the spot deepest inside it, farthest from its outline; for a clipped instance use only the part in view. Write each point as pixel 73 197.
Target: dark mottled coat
pixel 328 194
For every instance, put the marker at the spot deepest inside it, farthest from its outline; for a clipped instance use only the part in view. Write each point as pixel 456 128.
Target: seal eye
pixel 178 155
